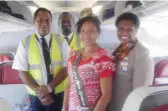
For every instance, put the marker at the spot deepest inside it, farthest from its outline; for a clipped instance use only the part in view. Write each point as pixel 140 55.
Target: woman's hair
pixel 128 16
pixel 94 19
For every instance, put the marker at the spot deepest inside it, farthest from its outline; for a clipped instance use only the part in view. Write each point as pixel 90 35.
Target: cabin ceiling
pixel 68 5
pixel 64 5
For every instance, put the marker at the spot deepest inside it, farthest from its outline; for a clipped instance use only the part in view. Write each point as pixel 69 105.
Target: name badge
pixel 124 66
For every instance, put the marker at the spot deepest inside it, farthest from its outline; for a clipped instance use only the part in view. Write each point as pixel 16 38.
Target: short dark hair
pixel 94 19
pixel 128 16
pixel 43 10
pixel 64 13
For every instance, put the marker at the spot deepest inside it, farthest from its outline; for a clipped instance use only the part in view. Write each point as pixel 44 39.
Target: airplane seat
pixel 1 78
pixel 9 75
pixel 161 73
pixel 161 108
pixel 147 98
pixel 12 89
pixel 5 105
pixel 16 95
pixel 154 100
pixel 6 57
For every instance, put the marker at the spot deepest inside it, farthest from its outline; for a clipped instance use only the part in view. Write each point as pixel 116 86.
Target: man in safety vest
pixel 40 61
pixel 66 26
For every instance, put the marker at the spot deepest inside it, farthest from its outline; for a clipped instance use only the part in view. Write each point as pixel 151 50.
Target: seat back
pixel 9 75
pixel 6 57
pixel 146 98
pixel 161 108
pixel 12 89
pixel 4 105
pixel 161 73
pixel 17 96
pixel 153 101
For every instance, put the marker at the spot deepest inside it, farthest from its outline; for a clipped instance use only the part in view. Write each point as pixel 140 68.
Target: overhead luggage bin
pixel 146 9
pixel 11 23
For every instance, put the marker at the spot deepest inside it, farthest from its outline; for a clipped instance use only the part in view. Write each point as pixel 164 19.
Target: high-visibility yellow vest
pixel 75 43
pixel 36 60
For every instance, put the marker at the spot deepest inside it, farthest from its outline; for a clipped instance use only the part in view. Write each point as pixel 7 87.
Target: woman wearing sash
pixel 90 70
pixel 134 66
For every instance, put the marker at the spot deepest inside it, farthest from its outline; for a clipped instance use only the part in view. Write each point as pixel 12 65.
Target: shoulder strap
pixel 79 83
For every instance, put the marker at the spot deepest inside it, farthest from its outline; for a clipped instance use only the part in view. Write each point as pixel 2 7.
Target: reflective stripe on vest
pixel 36 64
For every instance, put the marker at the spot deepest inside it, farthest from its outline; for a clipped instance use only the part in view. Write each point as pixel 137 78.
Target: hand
pixel 42 91
pixel 47 100
pixel 64 109
pixel 71 52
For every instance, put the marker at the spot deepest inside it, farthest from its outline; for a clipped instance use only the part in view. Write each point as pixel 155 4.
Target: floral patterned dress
pixel 90 71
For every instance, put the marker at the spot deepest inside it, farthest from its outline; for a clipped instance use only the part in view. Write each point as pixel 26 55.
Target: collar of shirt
pixel 47 37
pixel 69 37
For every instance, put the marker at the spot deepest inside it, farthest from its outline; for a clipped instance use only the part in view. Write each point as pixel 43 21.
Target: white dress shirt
pixel 21 57
pixel 66 46
pixel 69 37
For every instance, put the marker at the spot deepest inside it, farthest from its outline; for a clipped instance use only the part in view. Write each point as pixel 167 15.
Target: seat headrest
pixel 161 72
pixel 9 75
pixel 161 108
pixel 6 57
pixel 161 69
pixel 1 78
pixel 154 100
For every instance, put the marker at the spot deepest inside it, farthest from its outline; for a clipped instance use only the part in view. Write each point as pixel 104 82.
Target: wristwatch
pixel 49 88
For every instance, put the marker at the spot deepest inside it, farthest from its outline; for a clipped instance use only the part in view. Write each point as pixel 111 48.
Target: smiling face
pixel 126 31
pixel 42 23
pixel 66 24
pixel 88 33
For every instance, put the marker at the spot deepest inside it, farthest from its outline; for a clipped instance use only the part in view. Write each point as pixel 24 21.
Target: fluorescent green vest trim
pixel 75 43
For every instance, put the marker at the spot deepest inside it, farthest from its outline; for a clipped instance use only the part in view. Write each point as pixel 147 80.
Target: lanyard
pixel 49 42
pixel 79 85
pixel 78 82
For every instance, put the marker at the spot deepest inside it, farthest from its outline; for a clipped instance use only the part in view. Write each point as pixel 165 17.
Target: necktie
pixel 67 39
pixel 47 59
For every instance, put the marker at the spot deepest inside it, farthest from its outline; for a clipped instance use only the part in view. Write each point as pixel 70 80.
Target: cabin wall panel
pixel 9 41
